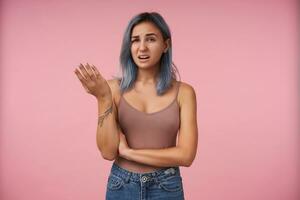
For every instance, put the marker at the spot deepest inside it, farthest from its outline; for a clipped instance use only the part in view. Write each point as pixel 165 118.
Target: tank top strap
pixel 177 89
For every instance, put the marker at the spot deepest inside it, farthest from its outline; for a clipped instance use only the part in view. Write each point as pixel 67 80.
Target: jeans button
pixel 144 178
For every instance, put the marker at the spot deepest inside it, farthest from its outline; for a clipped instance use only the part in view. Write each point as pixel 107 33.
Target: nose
pixel 143 45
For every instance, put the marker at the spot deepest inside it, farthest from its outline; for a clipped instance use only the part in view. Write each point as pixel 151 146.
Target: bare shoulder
pixel 113 82
pixel 114 85
pixel 186 93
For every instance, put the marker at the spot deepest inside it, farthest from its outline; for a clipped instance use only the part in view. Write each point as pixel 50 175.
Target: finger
pixel 90 71
pixel 122 135
pixel 93 68
pixel 81 69
pixel 79 75
pixel 84 72
pixel 98 75
pixel 82 80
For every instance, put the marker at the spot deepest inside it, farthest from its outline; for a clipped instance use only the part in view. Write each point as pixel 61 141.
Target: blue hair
pixel 168 69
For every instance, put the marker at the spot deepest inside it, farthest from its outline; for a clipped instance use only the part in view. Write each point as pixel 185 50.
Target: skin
pixel 185 151
pixel 152 45
pixel 93 82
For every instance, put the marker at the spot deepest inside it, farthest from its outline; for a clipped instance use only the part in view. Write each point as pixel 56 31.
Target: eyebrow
pixel 148 34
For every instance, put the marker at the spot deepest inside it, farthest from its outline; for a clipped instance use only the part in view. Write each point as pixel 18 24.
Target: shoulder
pixel 186 93
pixel 186 89
pixel 114 85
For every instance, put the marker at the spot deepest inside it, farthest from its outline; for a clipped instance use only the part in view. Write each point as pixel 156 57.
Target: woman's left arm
pixel 184 153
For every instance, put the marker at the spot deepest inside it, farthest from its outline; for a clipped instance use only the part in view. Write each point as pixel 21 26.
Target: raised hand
pixel 93 82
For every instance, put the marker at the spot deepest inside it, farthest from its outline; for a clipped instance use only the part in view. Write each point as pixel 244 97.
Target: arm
pixel 172 156
pixel 107 129
pixel 185 151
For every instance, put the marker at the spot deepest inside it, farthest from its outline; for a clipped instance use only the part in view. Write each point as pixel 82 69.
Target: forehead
pixel 143 28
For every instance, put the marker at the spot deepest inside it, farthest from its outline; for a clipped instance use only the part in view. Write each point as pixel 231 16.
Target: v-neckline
pixel 152 113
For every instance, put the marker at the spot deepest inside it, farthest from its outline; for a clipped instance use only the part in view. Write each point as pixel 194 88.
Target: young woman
pixel 141 113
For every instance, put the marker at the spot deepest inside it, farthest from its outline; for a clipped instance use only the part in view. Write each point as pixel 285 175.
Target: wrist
pixel 104 100
pixel 104 104
pixel 127 153
pixel 104 109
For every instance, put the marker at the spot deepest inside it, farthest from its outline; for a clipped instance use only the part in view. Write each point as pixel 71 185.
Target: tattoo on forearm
pixel 104 115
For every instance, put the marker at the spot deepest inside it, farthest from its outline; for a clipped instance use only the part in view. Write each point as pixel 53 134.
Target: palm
pixel 92 81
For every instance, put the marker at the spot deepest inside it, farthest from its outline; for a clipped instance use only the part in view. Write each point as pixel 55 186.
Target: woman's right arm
pixel 108 129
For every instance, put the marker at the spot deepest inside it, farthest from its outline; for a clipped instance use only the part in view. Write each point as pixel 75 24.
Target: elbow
pixel 109 157
pixel 109 154
pixel 188 160
pixel 188 163
pixel 187 156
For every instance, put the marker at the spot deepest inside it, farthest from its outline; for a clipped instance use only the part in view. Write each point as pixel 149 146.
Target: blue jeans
pixel 163 184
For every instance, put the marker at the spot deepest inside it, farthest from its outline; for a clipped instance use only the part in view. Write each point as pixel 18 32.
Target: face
pixel 147 45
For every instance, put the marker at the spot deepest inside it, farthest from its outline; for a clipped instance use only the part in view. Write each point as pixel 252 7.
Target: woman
pixel 140 133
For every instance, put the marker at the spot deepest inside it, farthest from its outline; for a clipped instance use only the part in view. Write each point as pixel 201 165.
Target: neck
pixel 147 76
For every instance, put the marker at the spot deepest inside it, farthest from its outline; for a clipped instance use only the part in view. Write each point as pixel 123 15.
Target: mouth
pixel 143 57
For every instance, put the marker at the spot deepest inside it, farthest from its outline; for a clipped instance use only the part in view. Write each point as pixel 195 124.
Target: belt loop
pixel 127 178
pixel 170 170
pixel 173 170
pixel 178 171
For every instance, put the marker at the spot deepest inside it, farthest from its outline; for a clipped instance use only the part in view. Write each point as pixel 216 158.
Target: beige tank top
pixel 148 130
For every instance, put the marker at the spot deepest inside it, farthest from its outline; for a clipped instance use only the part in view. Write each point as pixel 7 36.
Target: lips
pixel 143 57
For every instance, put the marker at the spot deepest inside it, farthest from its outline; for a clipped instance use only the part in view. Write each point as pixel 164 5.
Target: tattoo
pixel 105 114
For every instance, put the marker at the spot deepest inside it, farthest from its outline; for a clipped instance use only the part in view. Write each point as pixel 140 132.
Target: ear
pixel 167 45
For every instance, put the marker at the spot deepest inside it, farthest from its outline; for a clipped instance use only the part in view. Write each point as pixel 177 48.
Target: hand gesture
pixel 93 82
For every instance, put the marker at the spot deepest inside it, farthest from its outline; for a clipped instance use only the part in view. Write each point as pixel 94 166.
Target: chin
pixel 144 65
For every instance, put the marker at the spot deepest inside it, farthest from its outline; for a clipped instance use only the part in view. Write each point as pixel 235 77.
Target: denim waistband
pixel 156 175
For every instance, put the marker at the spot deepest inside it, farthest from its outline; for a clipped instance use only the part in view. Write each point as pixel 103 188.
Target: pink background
pixel 240 57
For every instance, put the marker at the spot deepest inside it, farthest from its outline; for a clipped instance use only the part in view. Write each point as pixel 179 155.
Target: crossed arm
pixel 181 155
pixel 172 156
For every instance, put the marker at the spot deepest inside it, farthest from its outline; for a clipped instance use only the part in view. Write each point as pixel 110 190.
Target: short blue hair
pixel 129 69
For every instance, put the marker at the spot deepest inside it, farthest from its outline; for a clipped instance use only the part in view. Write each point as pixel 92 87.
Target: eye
pixel 151 39
pixel 134 40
